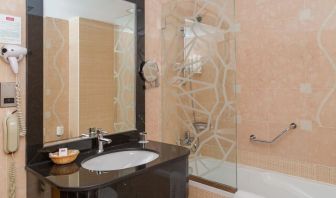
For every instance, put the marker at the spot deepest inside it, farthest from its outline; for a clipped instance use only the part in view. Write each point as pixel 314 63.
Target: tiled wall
pixel 97 85
pixel 286 73
pixel 153 51
pixel 69 75
pixel 57 71
pixel 283 35
pixel 56 78
pixel 16 8
pixel 195 192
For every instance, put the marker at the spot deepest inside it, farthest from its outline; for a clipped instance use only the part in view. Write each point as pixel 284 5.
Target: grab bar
pixel 253 138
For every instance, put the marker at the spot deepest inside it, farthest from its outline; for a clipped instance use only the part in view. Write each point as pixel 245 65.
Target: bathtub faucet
pixel 187 139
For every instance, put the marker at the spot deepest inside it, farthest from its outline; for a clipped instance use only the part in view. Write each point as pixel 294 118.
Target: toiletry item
pixel 62 152
pixel 70 157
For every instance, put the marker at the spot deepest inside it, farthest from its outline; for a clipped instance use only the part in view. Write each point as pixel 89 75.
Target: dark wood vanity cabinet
pixel 165 181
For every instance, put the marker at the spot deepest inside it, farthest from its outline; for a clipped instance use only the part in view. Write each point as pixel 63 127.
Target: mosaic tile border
pixel 298 168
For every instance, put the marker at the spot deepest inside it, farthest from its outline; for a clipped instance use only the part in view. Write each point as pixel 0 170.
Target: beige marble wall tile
pixel 195 192
pixel 56 78
pixel 96 57
pixel 153 51
pixel 16 8
pixel 286 73
pixel 296 167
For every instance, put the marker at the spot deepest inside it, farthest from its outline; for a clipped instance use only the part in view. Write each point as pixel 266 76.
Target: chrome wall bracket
pixel 253 138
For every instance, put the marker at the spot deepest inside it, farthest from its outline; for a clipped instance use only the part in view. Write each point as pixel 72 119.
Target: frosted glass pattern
pixel 199 85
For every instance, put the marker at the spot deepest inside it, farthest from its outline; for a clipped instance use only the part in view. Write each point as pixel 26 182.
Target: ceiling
pixel 109 11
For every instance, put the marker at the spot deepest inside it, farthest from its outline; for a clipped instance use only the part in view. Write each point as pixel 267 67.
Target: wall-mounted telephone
pixel 12 54
pixel 11 133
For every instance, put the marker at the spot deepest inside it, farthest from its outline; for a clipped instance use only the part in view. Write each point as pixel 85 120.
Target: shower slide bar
pixel 253 138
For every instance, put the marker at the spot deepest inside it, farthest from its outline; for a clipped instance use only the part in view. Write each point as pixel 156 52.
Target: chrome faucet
pixel 102 140
pixel 187 139
pixel 190 141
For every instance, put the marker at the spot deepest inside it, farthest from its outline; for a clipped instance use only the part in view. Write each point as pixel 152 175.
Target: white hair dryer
pixel 12 54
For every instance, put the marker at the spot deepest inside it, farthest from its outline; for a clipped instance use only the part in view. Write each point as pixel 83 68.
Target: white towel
pixel 244 194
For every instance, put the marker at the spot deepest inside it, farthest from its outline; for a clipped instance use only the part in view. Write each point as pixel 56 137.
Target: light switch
pixel 7 94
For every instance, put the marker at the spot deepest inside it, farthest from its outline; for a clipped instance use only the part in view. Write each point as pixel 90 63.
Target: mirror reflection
pixel 89 67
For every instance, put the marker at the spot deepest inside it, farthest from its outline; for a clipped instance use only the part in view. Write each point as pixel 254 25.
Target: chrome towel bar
pixel 253 138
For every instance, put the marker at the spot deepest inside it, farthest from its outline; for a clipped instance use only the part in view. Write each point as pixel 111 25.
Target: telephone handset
pixel 11 145
pixel 11 133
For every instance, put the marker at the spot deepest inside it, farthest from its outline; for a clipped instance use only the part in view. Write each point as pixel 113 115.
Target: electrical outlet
pixel 59 131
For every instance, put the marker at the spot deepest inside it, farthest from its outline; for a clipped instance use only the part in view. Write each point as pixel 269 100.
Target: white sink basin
pixel 119 160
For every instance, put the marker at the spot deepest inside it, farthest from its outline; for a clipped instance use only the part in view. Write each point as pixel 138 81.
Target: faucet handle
pixel 92 131
pixel 84 135
pixel 143 139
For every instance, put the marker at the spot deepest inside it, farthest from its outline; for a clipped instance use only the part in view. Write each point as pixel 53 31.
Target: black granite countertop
pixel 73 177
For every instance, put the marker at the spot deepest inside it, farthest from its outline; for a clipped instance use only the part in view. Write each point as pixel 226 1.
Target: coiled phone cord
pixel 21 121
pixel 12 179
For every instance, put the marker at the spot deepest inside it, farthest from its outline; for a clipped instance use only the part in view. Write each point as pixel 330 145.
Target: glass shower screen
pixel 198 85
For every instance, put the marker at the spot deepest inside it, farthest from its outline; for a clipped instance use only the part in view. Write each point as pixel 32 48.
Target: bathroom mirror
pixel 89 67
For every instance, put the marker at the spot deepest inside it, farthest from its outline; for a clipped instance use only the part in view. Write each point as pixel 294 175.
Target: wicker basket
pixel 65 169
pixel 72 155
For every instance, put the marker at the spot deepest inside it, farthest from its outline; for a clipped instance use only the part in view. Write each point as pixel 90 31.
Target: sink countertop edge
pixel 152 164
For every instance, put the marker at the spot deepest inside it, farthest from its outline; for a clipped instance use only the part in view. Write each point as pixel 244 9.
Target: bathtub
pixel 263 183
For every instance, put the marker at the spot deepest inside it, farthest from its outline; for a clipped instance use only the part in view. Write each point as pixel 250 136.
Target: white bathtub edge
pixel 211 189
pixel 302 179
